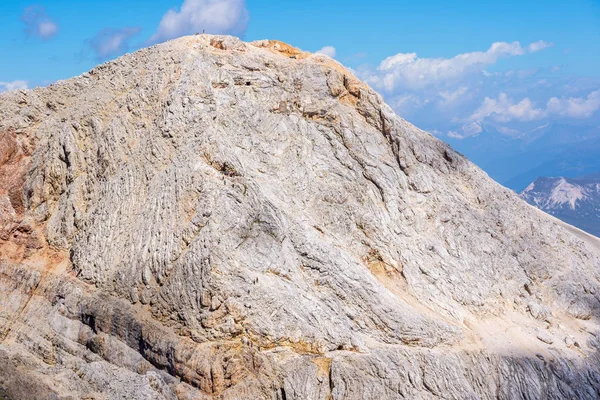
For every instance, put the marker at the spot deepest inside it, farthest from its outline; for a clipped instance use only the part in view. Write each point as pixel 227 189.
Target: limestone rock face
pixel 214 219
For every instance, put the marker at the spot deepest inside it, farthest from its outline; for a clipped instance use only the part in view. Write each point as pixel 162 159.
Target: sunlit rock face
pixel 573 200
pixel 213 219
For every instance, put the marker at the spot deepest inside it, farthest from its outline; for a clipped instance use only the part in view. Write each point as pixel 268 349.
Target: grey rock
pixel 209 218
pixel 544 336
pixel 580 310
pixel 538 311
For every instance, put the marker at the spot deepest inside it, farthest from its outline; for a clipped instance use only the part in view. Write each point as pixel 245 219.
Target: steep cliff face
pixel 209 218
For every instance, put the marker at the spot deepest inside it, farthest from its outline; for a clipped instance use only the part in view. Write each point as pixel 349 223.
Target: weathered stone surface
pixel 209 218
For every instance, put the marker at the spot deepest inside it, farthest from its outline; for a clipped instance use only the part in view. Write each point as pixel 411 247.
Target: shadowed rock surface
pixel 213 219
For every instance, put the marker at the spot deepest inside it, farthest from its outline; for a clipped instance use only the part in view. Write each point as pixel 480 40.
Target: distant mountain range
pixel 548 150
pixel 554 167
pixel 573 200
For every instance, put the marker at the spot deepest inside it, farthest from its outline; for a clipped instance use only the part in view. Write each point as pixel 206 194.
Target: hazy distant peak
pixel 574 200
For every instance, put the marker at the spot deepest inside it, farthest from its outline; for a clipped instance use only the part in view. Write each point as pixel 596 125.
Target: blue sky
pixel 456 68
pixel 365 32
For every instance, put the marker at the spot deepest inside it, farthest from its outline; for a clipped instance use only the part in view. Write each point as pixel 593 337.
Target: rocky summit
pixel 213 219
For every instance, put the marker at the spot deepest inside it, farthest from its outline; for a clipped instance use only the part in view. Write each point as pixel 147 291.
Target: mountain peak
pixel 558 192
pixel 209 218
pixel 574 200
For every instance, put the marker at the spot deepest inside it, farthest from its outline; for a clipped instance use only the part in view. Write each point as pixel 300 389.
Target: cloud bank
pixel 197 16
pixel 458 97
pixel 407 70
pixel 504 109
pixel 575 107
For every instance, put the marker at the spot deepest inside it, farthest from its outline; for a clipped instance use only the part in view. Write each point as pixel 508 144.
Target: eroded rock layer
pixel 213 219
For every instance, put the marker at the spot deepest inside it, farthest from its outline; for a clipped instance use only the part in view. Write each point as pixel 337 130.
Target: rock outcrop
pixel 214 219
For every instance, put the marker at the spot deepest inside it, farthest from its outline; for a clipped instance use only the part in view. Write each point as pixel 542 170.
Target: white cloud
pixel 14 85
pixel 575 107
pixel 539 45
pixel 448 97
pixel 110 42
pixel 466 130
pixel 211 16
pixel 503 109
pixel 407 70
pixel 513 73
pixel 463 96
pixel 328 51
pixel 37 23
pixel 508 131
pixel 404 104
